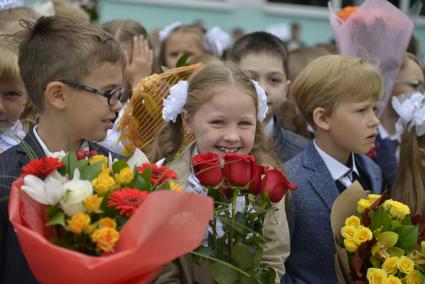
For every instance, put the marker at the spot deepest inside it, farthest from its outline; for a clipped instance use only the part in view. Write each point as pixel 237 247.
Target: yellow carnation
pixel 352 221
pixel 390 265
pixel 362 234
pixel 396 209
pixel 103 184
pixel 78 222
pixel 92 203
pixel 413 277
pixel 376 276
pixel 393 280
pixel 405 264
pixel 362 204
pixel 347 232
pixel 107 222
pixel 175 187
pixel 105 238
pixel 125 176
pixel 350 245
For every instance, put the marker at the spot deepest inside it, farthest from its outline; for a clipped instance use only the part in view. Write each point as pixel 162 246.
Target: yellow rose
pixel 390 265
pixel 105 238
pixel 92 203
pixel 99 158
pixel 103 183
pixel 347 232
pixel 398 210
pixel 405 264
pixel 352 221
pixel 362 204
pixel 350 245
pixel 362 234
pixel 78 223
pixel 393 280
pixel 376 276
pixel 373 197
pixel 107 222
pixel 125 176
pixel 175 187
pixel 413 277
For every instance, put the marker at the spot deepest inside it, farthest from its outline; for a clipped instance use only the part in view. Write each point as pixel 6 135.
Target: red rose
pixel 238 169
pixel 207 169
pixel 42 167
pixel 159 174
pixel 275 184
pixel 257 173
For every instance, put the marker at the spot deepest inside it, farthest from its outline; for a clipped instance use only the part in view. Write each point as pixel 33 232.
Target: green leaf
pixel 164 69
pixel 389 238
pixel 139 182
pixel 70 164
pixel 91 172
pixel 118 166
pixel 223 274
pixel 81 164
pixel 247 280
pixel 407 221
pixel 268 276
pixel 199 260
pixel 58 219
pixel 407 237
pixel 182 60
pixel 395 251
pixel 395 224
pixel 242 257
pixel 380 219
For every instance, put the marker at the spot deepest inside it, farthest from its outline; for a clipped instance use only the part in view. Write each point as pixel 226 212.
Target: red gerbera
pixel 127 200
pixel 159 174
pixel 42 167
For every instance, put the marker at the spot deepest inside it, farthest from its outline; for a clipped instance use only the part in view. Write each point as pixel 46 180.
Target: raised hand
pixel 139 63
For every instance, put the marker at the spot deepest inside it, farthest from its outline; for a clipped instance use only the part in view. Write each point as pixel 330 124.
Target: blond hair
pixel 202 87
pixel 69 10
pixel 331 78
pixel 409 183
pixel 124 30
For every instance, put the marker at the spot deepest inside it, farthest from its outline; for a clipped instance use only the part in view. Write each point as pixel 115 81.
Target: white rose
pixel 47 192
pixel 76 190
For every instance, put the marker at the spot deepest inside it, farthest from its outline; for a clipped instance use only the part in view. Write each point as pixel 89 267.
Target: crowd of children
pixel 64 84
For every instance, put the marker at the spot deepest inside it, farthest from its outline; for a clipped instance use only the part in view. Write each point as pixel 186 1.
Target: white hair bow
pixel 411 110
pixel 216 41
pixel 165 32
pixel 173 105
pixel 44 9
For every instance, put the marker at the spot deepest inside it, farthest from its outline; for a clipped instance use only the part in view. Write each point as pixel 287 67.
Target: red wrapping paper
pixel 167 225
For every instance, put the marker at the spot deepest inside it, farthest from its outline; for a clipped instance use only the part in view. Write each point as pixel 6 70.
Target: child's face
pixel 13 98
pixel 180 43
pixel 409 74
pixel 89 114
pixel 267 69
pixel 352 126
pixel 225 124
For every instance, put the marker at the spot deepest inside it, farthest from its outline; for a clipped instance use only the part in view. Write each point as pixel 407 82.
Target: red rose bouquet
pixel 87 219
pixel 243 193
pixel 376 239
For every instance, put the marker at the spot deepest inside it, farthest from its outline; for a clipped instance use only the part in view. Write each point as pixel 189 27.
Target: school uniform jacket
pixel 312 244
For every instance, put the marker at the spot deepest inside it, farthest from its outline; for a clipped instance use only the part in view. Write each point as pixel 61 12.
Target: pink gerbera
pixel 127 200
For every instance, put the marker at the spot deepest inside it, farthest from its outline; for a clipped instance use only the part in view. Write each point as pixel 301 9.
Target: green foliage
pixel 118 166
pixel 223 274
pixel 407 237
pixel 380 219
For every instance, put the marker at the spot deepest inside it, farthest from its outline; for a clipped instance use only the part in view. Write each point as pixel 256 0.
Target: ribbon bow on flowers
pixel 228 178
pixel 101 216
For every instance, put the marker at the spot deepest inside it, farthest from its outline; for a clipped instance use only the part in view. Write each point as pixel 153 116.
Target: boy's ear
pixel 422 156
pixel 321 118
pixel 186 121
pixel 55 95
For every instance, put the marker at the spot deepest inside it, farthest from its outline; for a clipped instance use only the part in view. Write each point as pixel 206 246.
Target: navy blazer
pixel 13 266
pixel 312 258
pixel 286 143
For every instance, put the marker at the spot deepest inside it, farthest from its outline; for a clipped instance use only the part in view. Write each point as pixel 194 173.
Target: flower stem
pixel 221 262
pixel 234 197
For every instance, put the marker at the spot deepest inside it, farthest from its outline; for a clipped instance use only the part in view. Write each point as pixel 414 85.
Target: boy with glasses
pixel 73 74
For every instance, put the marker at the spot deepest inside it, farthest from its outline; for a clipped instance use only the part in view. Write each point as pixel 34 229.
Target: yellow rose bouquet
pixel 97 220
pixel 376 239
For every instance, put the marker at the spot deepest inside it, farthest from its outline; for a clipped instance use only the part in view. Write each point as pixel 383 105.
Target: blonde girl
pixel 223 109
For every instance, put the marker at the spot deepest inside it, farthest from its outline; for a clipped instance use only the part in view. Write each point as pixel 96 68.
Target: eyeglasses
pixel 418 85
pixel 112 96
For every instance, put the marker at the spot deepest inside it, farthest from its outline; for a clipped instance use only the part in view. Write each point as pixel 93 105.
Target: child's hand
pixel 139 65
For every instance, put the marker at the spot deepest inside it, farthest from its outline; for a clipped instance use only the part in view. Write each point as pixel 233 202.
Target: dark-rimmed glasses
pixel 113 96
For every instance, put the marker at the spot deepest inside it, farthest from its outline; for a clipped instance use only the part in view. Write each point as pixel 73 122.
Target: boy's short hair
pixel 301 57
pixel 57 48
pixel 331 78
pixel 259 42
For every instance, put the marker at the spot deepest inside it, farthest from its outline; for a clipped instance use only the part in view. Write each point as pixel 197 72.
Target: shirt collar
pixel 384 133
pixel 335 167
pixel 47 152
pixel 270 127
pixel 12 136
